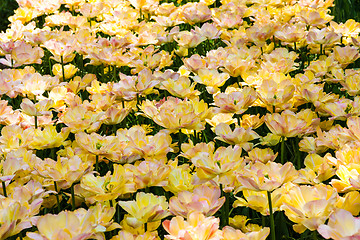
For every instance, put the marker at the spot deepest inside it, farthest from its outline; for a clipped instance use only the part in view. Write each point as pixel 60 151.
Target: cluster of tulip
pixel 209 120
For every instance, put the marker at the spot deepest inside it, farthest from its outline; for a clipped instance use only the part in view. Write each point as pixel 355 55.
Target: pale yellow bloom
pixel 69 71
pixel 108 187
pixel 146 208
pixel 309 206
pixel 197 226
pixel 203 198
pixel 342 225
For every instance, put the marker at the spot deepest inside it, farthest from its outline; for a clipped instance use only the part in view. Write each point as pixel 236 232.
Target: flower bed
pixel 179 120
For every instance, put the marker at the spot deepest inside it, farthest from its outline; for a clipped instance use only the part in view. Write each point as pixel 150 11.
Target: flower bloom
pixel 266 177
pixel 205 199
pixel 146 208
pixel 175 114
pixel 197 227
pixel 309 206
pixel 342 225
pixel 230 233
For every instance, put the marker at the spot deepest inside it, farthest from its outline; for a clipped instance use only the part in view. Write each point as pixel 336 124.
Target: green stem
pixel 118 214
pixel 296 151
pixel 36 117
pixel 238 80
pixel 145 227
pixel 62 67
pixel 57 197
pixel 295 46
pixel 225 209
pixel 4 189
pixel 272 223
pixel 72 197
pixel 97 163
pixel 36 121
pixel 274 41
pixel 180 140
pixel 282 150
pixel 195 137
pixel 238 119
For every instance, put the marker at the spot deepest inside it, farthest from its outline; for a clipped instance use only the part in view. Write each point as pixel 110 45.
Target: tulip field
pixel 179 120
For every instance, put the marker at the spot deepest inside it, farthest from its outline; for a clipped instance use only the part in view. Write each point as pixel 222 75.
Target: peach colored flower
pixel 195 12
pixel 288 124
pixel 230 233
pixel 290 33
pixel 204 198
pixel 24 54
pixel 315 18
pixel 258 200
pixel 146 208
pixel 210 163
pixel 104 146
pixel 309 206
pixel 174 114
pixel 235 100
pixel 149 173
pixel 108 187
pixel 61 49
pixel 261 155
pixel 180 86
pixel 197 227
pixel 68 225
pixel 266 177
pixel 346 55
pixel 349 177
pixel 64 171
pixel 239 136
pixel 79 119
pixel 341 226
pixel 140 145
pixel 258 34
pixel 211 78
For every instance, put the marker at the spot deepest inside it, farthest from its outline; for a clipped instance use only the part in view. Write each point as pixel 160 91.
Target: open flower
pixel 64 171
pixel 309 206
pixel 149 173
pixel 211 78
pixel 24 53
pixel 79 119
pixel 68 225
pixel 174 114
pixel 239 136
pixel 342 225
pixel 197 226
pixel 146 208
pixel 235 100
pixel 266 177
pixel 258 200
pixel 230 233
pixel 103 146
pixel 210 164
pixel 204 198
pixel 289 124
pixel 108 187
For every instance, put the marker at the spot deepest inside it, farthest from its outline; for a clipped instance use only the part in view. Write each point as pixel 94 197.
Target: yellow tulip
pixel 341 225
pixel 197 226
pixel 146 208
pixel 309 206
pixel 203 198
